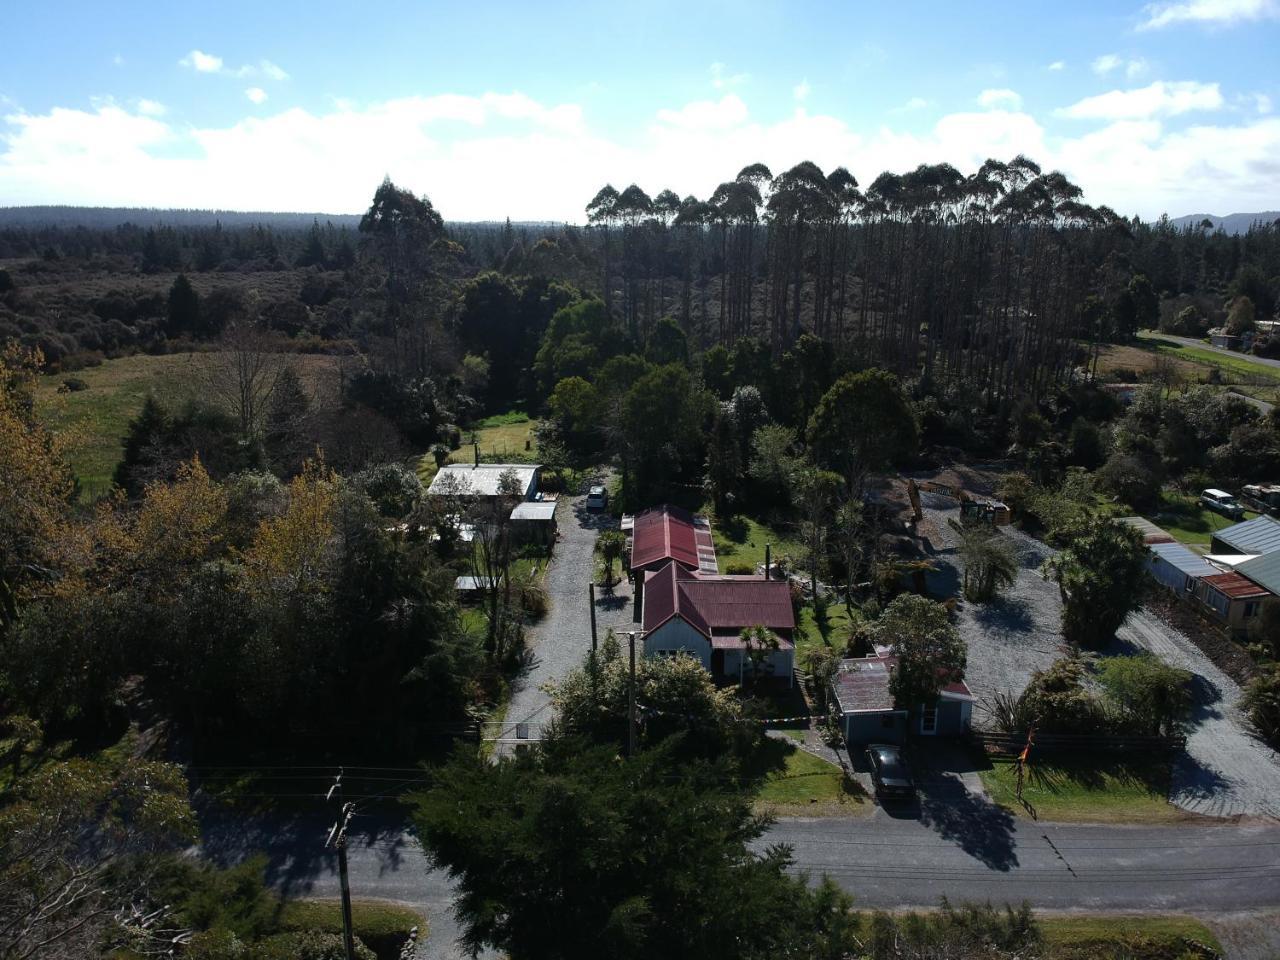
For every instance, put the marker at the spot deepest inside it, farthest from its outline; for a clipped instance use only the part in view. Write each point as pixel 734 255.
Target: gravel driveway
pixel 559 642
pixel 1014 636
pixel 1226 770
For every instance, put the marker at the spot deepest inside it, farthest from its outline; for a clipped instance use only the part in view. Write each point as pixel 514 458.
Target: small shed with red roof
pixel 869 715
pixel 704 615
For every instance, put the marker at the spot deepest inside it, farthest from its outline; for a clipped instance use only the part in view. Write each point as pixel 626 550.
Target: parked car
pixel 889 772
pixel 597 497
pixel 1219 501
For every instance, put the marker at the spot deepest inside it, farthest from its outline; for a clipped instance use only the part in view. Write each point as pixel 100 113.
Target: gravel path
pixel 1226 770
pixel 1014 636
pixel 559 642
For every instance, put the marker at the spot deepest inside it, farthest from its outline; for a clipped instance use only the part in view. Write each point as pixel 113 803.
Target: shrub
pixel 531 594
pixel 1055 701
pixel 739 569
pixel 72 385
pixel 308 945
pixel 382 927
pixel 1262 700
pixel 393 488
pixel 1150 695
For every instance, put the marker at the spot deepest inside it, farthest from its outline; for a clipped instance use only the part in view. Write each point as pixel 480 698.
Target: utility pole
pixel 631 698
pixel 338 839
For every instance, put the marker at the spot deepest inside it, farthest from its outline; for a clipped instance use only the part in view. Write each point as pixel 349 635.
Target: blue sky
pixel 525 109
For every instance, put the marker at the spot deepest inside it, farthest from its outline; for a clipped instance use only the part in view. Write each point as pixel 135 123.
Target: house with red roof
pixel 704 615
pixel 868 713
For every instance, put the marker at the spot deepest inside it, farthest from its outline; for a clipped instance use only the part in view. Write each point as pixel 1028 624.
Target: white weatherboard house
pixel 482 479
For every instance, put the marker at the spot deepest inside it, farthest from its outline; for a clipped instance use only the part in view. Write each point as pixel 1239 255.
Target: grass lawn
pixel 741 540
pixel 809 637
pixel 507 436
pixel 1087 790
pixel 808 781
pixel 1187 521
pixel 1096 937
pixel 93 421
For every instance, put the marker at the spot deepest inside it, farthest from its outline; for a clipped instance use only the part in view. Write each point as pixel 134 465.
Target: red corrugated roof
pixel 661 534
pixel 1235 585
pixel 716 604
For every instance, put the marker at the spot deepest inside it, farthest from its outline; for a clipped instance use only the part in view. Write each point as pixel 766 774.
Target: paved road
pixel 962 848
pixel 561 640
pixel 1226 770
pixel 1199 344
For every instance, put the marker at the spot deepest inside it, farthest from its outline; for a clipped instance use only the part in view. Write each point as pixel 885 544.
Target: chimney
pixel 768 574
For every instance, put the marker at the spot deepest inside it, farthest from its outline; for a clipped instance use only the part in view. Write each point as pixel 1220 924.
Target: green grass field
pixel 1256 379
pixel 1182 516
pixel 741 540
pixel 810 782
pixel 507 436
pixel 1087 790
pixel 93 422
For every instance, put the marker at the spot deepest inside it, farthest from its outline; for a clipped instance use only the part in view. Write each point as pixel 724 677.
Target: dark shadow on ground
pixel 977 826
pixel 1009 614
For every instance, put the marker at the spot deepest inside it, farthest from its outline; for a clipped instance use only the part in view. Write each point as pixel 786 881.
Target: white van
pixel 1219 501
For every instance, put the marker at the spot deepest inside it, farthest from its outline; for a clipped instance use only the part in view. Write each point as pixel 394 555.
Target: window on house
pixel 1251 609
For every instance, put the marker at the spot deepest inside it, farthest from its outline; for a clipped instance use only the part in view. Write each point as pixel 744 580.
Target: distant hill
pixel 1234 223
pixel 105 218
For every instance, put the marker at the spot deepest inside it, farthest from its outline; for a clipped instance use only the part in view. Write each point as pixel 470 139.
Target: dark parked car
pixel 890 773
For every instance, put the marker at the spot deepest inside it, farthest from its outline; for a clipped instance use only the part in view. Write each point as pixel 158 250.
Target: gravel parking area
pixel 1011 638
pixel 560 641
pixel 1226 770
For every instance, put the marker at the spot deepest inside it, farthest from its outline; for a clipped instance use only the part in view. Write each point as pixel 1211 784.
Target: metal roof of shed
pixel 1259 535
pixel 544 510
pixel 1184 560
pixel 1150 532
pixel 1235 586
pixel 1264 571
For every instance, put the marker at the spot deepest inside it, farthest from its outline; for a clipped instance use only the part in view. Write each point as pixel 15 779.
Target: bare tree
pixel 244 374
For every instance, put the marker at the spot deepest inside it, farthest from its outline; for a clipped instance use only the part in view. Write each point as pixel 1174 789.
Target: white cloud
pixel 722 81
pixel 801 91
pixel 208 63
pixel 1000 98
pixel 915 103
pixel 1262 102
pixel 117 60
pixel 151 108
pixel 271 71
pixel 202 62
pixel 479 157
pixel 256 95
pixel 1161 98
pixel 1211 12
pixel 1057 65
pixel 1135 68
pixel 1105 64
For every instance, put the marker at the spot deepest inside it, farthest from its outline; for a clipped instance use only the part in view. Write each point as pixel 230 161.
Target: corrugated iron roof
pixel 1184 560
pixel 1264 571
pixel 716 604
pixel 1259 535
pixel 535 510
pixel 661 534
pixel 1235 585
pixel 1150 532
pixel 862 684
pixel 481 480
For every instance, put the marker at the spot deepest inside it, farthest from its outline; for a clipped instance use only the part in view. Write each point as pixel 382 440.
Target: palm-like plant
pixel 611 544
pixel 990 563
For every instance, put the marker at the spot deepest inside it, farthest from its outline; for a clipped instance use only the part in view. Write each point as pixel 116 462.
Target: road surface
pixel 965 849
pixel 1200 344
